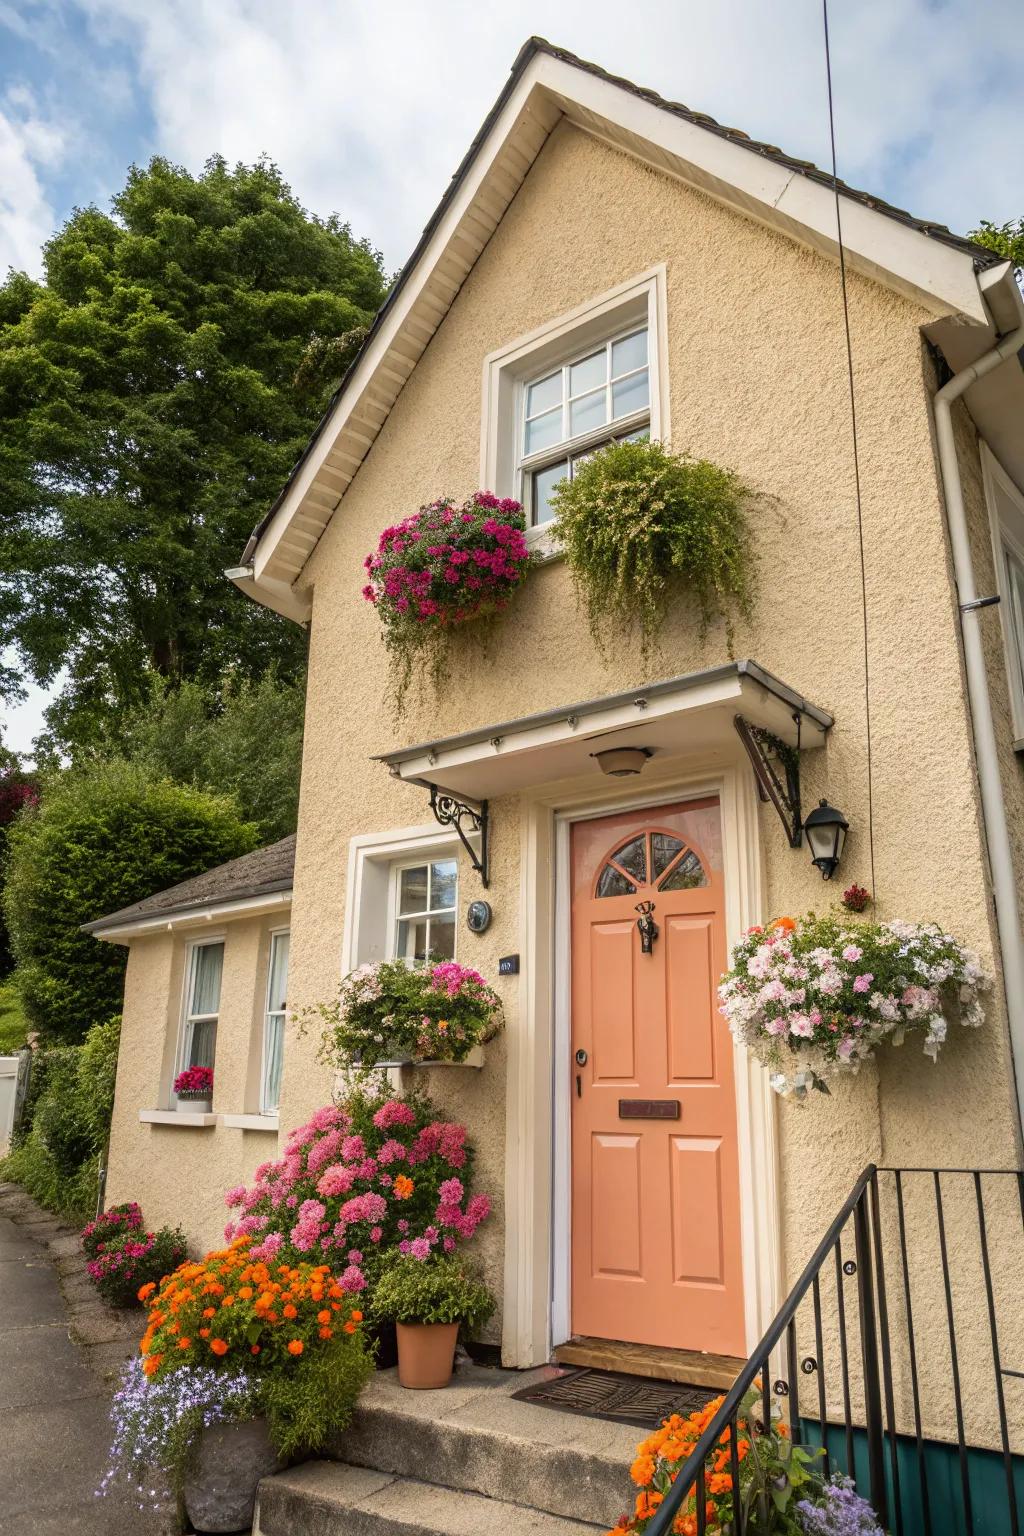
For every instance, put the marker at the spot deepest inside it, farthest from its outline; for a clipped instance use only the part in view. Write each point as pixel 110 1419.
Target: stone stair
pixel 458 1462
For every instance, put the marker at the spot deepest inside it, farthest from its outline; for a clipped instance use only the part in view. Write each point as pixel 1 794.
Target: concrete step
pixel 474 1438
pixel 326 1498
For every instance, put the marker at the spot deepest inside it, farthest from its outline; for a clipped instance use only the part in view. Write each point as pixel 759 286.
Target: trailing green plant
pixel 641 526
pixel 432 1290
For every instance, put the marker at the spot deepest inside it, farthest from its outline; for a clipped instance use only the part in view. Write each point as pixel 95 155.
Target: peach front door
pixel 655 1183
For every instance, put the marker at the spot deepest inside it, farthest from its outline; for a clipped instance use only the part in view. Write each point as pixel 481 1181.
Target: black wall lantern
pixel 826 830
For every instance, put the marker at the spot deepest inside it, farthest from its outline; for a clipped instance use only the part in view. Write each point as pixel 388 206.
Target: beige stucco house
pixel 588 213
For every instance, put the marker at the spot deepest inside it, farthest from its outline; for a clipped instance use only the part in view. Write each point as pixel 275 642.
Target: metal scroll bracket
pixel 776 768
pixel 450 812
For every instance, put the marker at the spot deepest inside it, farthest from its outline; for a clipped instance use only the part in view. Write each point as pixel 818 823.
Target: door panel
pixel 655 1201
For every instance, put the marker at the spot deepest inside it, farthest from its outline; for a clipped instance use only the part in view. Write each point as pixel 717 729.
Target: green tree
pixel 248 745
pixel 149 414
pixel 100 839
pixel 1006 239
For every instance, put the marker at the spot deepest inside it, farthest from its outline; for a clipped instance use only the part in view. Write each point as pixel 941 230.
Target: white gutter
pixel 191 917
pixel 997 831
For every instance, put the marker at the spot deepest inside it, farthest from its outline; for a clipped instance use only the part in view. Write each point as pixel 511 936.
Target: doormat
pixel 636 1400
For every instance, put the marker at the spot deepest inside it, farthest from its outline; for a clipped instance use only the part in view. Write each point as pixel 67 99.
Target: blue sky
pixel 368 107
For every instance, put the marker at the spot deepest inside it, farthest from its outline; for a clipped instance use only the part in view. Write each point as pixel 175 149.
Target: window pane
pixel 273 1061
pixel 688 874
pixel 412 895
pixel 412 939
pixel 544 394
pixel 543 482
pixel 201 1043
pixel 589 373
pixel 612 883
pixel 278 983
pixel 442 936
pixel 633 858
pixel 1015 582
pixel 631 394
pixel 544 431
pixel 663 850
pixel 207 964
pixel 444 881
pixel 629 353
pixel 588 413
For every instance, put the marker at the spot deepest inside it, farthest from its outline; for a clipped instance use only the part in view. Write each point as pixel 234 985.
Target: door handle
pixel 581 1061
pixel 579 1086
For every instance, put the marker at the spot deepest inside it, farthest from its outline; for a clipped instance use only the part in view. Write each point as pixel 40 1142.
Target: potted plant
pixel 243 1365
pixel 391 1013
pixel 193 1089
pixel 639 526
pixel 429 1300
pixel 445 566
pixel 813 997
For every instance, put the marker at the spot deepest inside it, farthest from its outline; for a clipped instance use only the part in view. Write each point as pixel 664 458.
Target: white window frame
pixel 574 447
pixel 371 889
pixel 188 1020
pixel 571 336
pixel 269 1013
pixel 394 887
pixel 1005 502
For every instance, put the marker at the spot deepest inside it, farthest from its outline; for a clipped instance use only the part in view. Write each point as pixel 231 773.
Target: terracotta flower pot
pixel 426 1353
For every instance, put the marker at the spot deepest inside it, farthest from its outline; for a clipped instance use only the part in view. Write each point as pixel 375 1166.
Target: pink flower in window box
pixel 194 1083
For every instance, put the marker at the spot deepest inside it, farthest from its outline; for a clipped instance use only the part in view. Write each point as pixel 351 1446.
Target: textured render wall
pixel 758 381
pixel 177 1173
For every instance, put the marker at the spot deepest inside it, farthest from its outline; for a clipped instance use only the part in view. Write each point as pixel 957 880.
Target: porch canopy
pixel 681 715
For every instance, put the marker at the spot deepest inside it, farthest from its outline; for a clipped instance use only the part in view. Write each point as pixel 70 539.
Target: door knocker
pixel 647 926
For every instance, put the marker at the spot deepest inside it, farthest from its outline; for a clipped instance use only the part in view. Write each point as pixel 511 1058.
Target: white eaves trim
pixel 900 256
pixel 195 917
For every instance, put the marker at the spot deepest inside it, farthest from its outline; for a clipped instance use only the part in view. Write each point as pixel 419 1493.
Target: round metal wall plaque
pixel 478 916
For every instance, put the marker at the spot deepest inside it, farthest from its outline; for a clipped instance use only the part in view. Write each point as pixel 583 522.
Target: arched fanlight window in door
pixel 656 859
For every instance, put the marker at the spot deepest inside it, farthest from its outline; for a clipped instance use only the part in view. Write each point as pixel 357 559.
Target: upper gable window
pixel 559 393
pixel 571 411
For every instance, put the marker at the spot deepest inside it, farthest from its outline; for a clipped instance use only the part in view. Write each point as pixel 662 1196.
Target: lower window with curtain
pixel 202 1005
pixel 273 1028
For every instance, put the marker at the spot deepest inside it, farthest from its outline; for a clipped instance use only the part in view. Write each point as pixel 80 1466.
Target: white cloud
pixel 368 109
pixel 31 146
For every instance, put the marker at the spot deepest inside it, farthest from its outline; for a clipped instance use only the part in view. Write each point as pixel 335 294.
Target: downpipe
pixel 993 804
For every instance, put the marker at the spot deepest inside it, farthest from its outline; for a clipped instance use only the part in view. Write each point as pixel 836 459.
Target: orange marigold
pixel 295 1346
pixel 219 1346
pixel 642 1471
pixel 402 1187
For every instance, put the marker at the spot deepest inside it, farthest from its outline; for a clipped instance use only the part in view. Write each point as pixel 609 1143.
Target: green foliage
pixel 101 839
pixel 314 1401
pixel 1006 239
pixel 13 1023
pixel 149 415
pixel 434 1290
pixel 640 526
pixel 66 1122
pixel 245 741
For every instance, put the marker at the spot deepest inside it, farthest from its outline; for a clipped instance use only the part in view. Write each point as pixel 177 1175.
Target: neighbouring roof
pixel 546 84
pixel 261 873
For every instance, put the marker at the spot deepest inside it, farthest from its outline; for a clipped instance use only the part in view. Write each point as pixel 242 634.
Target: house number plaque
pixel 648 1109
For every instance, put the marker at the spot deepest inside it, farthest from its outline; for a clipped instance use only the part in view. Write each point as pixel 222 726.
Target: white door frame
pixel 538 1165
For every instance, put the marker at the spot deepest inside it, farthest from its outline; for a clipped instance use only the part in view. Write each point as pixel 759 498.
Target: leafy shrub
pixel 97 1075
pixel 110 1225
pixel 640 525
pixel 361 1180
pixel 135 1259
pixel 61 1121
pixel 101 838
pixel 436 1290
pixel 432 1012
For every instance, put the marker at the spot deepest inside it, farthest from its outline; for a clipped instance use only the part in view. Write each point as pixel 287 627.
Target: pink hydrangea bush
pixel 444 566
pixel 358 1181
pixel 119 1221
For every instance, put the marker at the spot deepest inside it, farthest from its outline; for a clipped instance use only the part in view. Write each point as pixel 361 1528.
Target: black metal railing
pixel 890 1358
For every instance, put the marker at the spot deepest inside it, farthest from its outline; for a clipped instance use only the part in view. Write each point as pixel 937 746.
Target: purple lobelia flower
pixel 841 1512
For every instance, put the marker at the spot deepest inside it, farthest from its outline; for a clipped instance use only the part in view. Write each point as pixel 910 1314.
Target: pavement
pixel 61 1349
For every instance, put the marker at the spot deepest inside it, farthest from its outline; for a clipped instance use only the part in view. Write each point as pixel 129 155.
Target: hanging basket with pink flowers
pixel 446 566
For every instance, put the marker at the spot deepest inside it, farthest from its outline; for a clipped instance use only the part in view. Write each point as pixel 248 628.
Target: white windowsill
pixel 250 1122
pixel 182 1117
